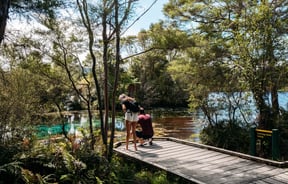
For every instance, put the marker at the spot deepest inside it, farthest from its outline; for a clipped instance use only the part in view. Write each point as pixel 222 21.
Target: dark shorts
pixel 140 135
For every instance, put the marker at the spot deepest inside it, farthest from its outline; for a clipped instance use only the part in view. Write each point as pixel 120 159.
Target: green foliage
pixel 159 177
pixel 7 152
pixel 283 130
pixel 10 172
pixel 150 68
pixel 129 171
pixel 21 8
pixel 20 105
pixel 237 48
pixel 54 162
pixel 29 88
pixel 236 136
pixel 228 135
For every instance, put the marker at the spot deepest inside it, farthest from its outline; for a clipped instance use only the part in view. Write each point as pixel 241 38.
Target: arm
pixel 130 99
pixel 123 107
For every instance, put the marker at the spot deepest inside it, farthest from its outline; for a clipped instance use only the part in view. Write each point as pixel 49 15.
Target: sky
pixel 152 16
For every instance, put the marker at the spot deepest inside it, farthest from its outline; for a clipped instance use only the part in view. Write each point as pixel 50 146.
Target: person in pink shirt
pixel 146 132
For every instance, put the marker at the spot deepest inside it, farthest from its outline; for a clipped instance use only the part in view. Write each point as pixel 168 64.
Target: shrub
pixel 228 135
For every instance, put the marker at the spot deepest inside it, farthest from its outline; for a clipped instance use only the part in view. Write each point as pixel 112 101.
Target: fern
pixel 11 168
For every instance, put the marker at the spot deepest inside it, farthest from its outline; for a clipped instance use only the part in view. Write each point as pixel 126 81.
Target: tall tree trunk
pixel 117 32
pixel 117 47
pixel 275 104
pixel 85 18
pixel 105 64
pixel 4 12
pixel 273 80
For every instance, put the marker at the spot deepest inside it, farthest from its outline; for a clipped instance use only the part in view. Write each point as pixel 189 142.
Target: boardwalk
pixel 204 164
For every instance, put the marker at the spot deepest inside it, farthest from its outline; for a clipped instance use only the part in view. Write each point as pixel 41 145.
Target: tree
pixel 29 89
pixel 148 70
pixel 21 7
pixel 4 8
pixel 250 34
pixel 113 15
pixel 110 19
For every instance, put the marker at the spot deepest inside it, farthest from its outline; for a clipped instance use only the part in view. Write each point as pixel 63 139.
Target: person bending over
pixel 146 132
pixel 131 118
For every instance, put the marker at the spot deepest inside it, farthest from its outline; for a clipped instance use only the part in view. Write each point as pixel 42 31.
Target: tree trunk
pixel 275 103
pixel 264 116
pixel 106 92
pixel 117 57
pixel 4 11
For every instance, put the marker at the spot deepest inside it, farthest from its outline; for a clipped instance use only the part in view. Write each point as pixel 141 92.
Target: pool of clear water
pixel 180 125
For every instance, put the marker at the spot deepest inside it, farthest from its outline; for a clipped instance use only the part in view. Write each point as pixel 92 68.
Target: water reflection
pixel 178 127
pixel 72 125
pixel 182 126
pixel 167 122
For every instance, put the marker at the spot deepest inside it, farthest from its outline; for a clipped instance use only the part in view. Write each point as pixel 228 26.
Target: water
pixel 72 127
pixel 180 125
pixel 170 123
pixel 243 101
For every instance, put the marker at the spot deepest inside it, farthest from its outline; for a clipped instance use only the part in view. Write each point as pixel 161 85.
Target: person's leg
pixel 128 130
pixel 142 141
pixel 149 138
pixel 150 141
pixel 139 137
pixel 133 126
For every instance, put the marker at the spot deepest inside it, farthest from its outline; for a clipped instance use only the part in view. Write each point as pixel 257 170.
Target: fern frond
pixel 11 168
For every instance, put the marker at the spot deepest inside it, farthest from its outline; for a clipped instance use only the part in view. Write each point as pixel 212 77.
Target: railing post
pixel 253 141
pixel 275 144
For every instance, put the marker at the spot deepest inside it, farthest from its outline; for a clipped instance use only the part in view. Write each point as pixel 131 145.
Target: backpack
pixel 134 106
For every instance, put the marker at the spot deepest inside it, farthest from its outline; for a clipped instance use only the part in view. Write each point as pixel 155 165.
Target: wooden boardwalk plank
pixel 256 173
pixel 259 182
pixel 203 165
pixel 170 153
pixel 273 181
pixel 283 176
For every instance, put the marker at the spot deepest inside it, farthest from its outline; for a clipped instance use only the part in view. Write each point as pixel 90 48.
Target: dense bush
pixel 283 130
pixel 56 162
pixel 228 135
